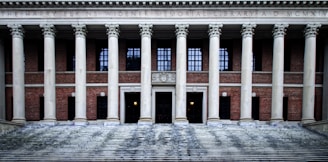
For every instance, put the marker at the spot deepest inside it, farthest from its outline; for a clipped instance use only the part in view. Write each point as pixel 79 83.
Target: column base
pixel 181 121
pixel 307 121
pixel 80 122
pixel 51 122
pixel 246 122
pixel 20 121
pixel 216 122
pixel 112 122
pixel 277 121
pixel 145 121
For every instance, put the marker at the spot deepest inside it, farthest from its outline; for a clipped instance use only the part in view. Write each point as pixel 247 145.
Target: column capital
pixel 146 29
pixel 48 29
pixel 248 30
pixel 181 30
pixel 113 30
pixel 279 30
pixel 311 30
pixel 214 30
pixel 16 30
pixel 80 29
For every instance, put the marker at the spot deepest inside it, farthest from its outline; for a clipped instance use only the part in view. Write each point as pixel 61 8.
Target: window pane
pixel 224 59
pixel 194 59
pixel 103 59
pixel 163 59
pixel 133 59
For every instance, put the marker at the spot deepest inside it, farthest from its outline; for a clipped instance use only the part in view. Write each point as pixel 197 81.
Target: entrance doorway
pixel 195 107
pixel 41 108
pixel 163 107
pixel 224 107
pixel 256 108
pixel 132 107
pixel 71 108
pixel 101 107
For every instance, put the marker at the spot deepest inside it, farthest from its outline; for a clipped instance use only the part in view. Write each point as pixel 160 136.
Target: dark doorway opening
pixel 224 112
pixel 195 107
pixel 163 107
pixel 101 107
pixel 132 107
pixel 256 108
pixel 41 108
pixel 285 108
pixel 71 108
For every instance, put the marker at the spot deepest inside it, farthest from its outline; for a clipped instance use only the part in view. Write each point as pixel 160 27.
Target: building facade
pixel 163 61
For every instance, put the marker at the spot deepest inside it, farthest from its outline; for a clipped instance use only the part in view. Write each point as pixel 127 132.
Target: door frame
pixel 153 100
pixel 203 90
pixel 123 90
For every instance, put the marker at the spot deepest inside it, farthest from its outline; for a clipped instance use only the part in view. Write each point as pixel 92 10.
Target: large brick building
pixel 163 61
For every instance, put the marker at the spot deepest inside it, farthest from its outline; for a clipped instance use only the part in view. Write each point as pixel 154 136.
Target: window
pixel 194 59
pixel 133 59
pixel 70 53
pixel 163 59
pixel 224 59
pixel 103 60
pixel 257 56
pixel 41 57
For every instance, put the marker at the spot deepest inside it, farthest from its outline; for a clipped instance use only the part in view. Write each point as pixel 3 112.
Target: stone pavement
pixel 159 142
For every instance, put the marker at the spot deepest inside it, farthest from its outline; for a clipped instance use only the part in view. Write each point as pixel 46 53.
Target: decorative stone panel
pixel 163 77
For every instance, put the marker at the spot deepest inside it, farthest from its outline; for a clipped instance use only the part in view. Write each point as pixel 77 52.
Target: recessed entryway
pixel 101 107
pixel 195 107
pixel 163 107
pixel 224 107
pixel 132 107
pixel 71 108
pixel 256 108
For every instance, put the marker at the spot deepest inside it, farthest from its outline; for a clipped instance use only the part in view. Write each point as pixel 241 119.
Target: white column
pixel 246 72
pixel 325 83
pixel 2 83
pixel 49 72
pixel 213 81
pixel 279 31
pixel 181 73
pixel 17 33
pixel 112 108
pixel 309 73
pixel 80 74
pixel 145 101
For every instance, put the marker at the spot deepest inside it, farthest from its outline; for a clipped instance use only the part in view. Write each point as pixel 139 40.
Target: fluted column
pixel 279 31
pixel 112 108
pixel 309 72
pixel 145 101
pixel 213 88
pixel 49 72
pixel 17 33
pixel 181 73
pixel 80 74
pixel 2 82
pixel 246 72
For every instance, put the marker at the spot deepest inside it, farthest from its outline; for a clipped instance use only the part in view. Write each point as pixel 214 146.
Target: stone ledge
pixel 320 127
pixel 6 126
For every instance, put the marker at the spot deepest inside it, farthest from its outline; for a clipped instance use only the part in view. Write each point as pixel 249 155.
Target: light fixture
pixel 192 103
pixel 253 94
pixel 102 94
pixel 135 103
pixel 73 94
pixel 224 94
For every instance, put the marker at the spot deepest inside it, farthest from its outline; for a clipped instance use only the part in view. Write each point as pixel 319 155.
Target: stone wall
pixel 6 127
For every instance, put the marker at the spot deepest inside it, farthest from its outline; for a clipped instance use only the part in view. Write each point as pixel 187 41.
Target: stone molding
pixel 214 30
pixel 16 30
pixel 311 30
pixel 161 3
pixel 279 30
pixel 145 29
pixel 248 30
pixel 48 30
pixel 113 30
pixel 80 30
pixel 181 30
pixel 163 77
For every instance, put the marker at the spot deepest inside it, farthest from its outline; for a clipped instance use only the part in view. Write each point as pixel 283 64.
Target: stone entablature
pixel 163 77
pixel 162 3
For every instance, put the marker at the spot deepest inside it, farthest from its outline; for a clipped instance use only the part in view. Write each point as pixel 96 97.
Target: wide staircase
pixel 163 142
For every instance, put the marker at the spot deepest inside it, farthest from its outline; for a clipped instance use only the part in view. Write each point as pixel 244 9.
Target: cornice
pixel 161 3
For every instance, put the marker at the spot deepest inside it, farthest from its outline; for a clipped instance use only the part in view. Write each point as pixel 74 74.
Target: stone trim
pixel 161 3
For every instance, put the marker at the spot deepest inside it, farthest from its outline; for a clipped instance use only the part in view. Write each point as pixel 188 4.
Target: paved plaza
pixel 159 142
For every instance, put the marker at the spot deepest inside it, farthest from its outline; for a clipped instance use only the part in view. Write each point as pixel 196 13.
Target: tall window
pixel 194 59
pixel 224 59
pixel 103 59
pixel 70 53
pixel 163 59
pixel 133 59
